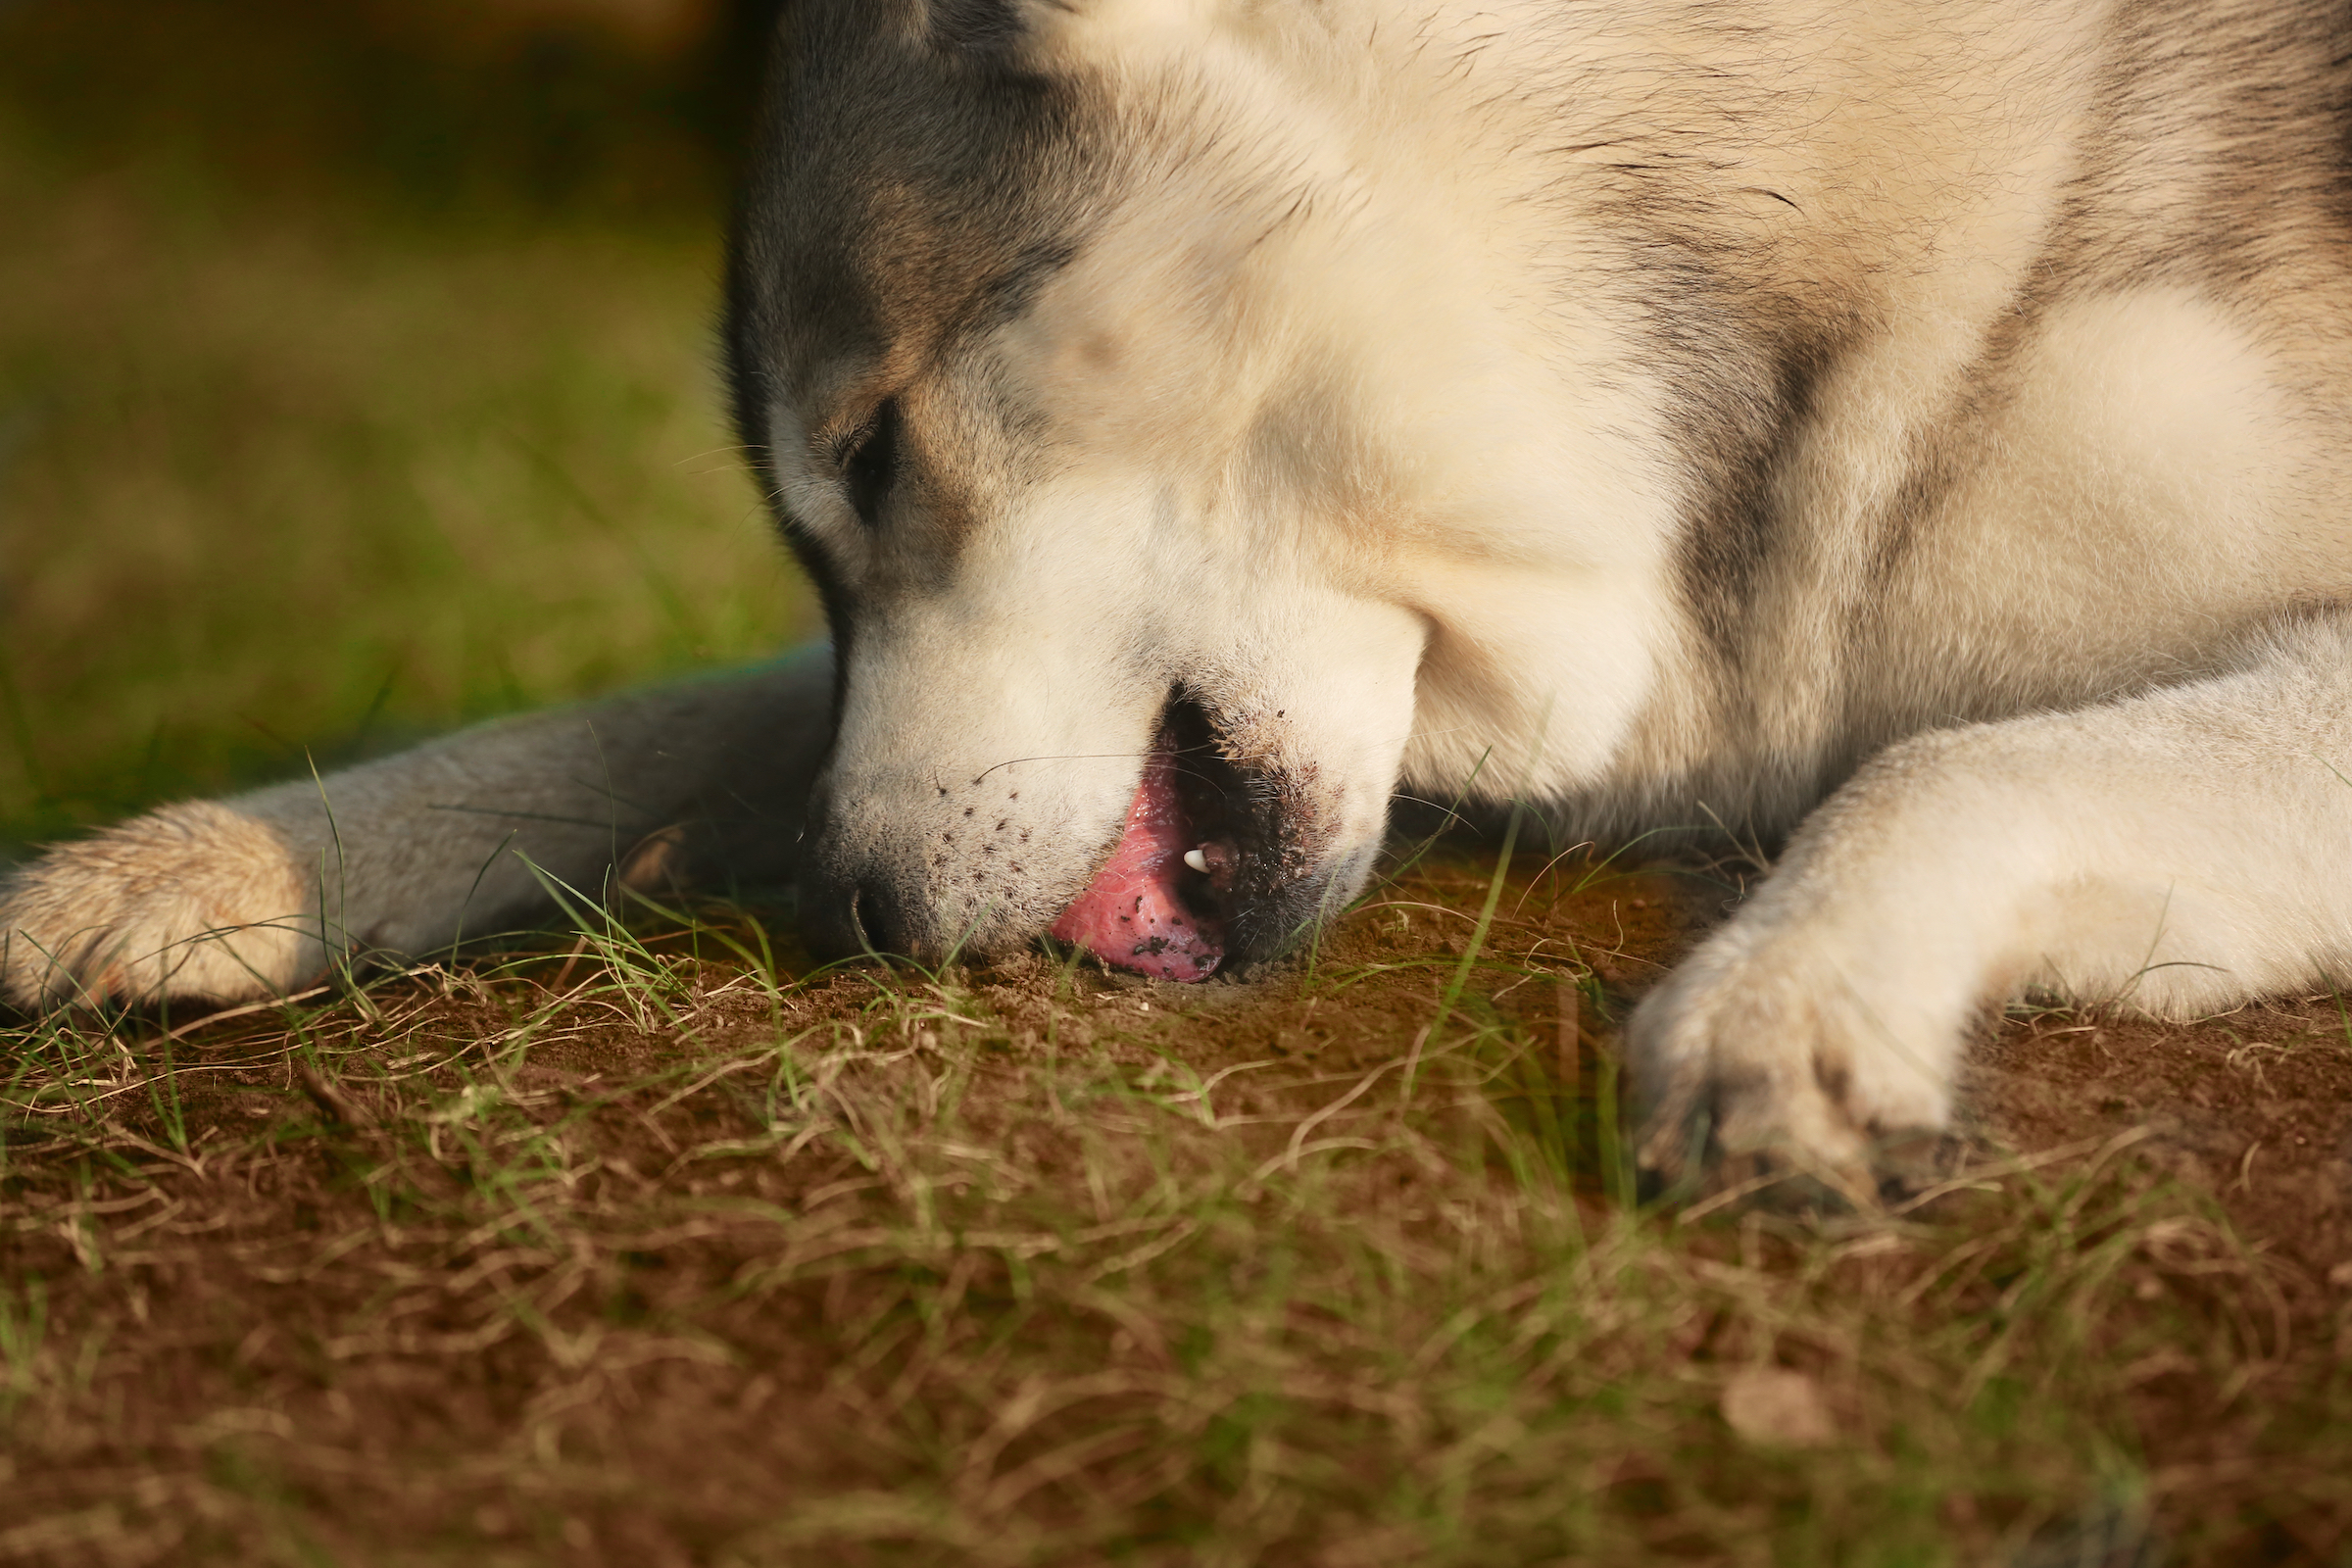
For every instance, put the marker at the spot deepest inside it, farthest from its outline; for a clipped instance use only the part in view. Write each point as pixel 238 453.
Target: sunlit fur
pixel 1654 411
pixel 1651 412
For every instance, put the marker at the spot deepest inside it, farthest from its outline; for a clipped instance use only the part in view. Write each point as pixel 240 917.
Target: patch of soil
pixel 2254 1107
pixel 395 1282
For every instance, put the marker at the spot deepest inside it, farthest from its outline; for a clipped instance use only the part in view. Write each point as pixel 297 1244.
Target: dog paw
pixel 193 903
pixel 1784 1063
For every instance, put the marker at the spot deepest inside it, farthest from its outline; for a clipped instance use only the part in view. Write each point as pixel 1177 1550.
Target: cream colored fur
pixel 1656 411
pixel 194 900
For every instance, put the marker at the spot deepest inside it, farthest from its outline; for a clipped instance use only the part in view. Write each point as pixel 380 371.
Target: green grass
pixel 655 1244
pixel 644 1253
pixel 291 469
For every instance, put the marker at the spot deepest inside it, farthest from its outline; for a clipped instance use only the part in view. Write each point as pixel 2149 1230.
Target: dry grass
pixel 630 1255
pixel 657 1247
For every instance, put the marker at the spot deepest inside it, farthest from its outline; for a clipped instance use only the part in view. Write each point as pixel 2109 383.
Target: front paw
pixel 1791 1062
pixel 190 903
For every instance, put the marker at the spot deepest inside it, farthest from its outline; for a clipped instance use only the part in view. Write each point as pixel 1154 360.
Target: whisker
pixel 1067 757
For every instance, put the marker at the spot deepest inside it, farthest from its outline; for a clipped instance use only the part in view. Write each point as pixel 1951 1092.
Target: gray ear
pixel 977 24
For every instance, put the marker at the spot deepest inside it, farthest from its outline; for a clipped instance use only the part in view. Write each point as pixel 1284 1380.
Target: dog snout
pixel 858 898
pixel 847 916
pixel 843 912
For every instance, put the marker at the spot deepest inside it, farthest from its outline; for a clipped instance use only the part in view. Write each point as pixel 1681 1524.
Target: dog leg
pixel 2174 854
pixel 699 783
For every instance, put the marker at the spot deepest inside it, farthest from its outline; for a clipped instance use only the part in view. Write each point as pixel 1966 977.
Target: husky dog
pixel 1923 430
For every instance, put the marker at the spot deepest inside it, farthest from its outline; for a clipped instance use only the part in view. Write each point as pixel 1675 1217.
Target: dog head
pixel 1067 341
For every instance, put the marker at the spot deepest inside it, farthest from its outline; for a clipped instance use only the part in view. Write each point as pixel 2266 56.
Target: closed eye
pixel 870 463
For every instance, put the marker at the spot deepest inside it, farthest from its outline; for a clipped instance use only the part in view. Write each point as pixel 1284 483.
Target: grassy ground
pixel 653 1246
pixel 662 1250
pixel 299 457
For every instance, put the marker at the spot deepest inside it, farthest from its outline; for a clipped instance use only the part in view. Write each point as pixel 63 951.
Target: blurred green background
pixel 356 380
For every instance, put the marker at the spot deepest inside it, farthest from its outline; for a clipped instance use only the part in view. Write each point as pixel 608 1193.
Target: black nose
pixel 846 911
pixel 848 917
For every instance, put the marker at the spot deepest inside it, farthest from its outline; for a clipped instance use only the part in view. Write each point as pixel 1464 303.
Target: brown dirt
pixel 2254 1107
pixel 399 1292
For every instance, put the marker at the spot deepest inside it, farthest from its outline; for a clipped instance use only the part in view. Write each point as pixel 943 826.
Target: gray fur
pixel 1653 410
pixel 465 835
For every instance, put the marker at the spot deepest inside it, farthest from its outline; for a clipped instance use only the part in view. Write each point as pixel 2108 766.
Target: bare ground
pixel 638 1253
pixel 658 1252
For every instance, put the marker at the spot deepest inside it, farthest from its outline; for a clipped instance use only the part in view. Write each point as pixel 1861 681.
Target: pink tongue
pixel 1129 916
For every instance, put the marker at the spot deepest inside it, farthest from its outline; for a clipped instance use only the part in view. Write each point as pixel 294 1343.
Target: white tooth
pixel 1196 860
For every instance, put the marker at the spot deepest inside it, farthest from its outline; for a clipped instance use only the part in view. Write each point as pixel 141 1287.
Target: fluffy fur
pixel 1658 410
